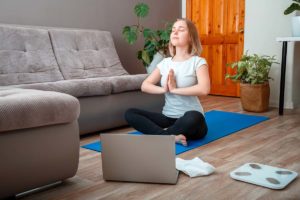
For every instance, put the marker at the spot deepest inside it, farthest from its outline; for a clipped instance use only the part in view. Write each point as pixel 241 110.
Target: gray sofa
pixel 47 77
pixel 39 141
pixel 81 63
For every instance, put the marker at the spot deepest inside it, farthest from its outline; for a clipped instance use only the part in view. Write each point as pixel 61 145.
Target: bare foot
pixel 181 139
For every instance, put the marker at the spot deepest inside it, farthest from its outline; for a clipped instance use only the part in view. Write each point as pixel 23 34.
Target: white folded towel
pixel 195 167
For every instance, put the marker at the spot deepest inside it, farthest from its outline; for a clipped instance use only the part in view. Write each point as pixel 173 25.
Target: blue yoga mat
pixel 220 124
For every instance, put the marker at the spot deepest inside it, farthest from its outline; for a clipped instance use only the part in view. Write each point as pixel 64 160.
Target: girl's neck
pixel 181 54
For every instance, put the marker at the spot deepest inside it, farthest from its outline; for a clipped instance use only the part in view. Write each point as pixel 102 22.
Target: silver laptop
pixel 139 158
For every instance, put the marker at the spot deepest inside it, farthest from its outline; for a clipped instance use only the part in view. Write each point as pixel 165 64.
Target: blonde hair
pixel 195 47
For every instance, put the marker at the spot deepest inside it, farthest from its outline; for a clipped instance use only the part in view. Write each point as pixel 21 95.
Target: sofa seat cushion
pixel 85 53
pixel 76 87
pixel 91 86
pixel 127 82
pixel 21 108
pixel 26 56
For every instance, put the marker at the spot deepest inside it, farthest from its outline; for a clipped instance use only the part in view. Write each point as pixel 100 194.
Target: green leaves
pixel 141 10
pixel 147 53
pixel 252 69
pixel 130 34
pixel 165 33
pixel 154 40
pixel 149 34
pixel 145 57
pixel 293 7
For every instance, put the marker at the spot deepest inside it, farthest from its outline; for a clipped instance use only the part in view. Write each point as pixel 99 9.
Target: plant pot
pixel 156 59
pixel 255 98
pixel 296 26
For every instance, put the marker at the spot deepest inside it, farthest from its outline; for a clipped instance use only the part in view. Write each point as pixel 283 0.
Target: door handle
pixel 241 30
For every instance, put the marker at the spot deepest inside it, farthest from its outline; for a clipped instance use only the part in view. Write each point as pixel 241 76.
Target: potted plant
pixel 155 41
pixel 295 6
pixel 252 71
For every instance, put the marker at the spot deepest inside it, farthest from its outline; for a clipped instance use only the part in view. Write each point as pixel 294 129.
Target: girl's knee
pixel 194 117
pixel 129 112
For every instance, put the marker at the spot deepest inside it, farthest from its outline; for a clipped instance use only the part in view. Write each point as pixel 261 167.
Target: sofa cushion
pixel 76 87
pixel 127 82
pixel 26 56
pixel 21 108
pixel 85 53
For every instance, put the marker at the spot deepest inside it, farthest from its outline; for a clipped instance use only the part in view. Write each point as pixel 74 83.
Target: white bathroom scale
pixel 264 175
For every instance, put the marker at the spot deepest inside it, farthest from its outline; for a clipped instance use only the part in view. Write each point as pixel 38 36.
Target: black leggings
pixel 192 124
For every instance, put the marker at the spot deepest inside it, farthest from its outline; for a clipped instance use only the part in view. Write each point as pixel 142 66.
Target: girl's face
pixel 180 34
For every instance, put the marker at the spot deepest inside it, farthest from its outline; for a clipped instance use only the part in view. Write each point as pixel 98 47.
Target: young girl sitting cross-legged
pixel 183 77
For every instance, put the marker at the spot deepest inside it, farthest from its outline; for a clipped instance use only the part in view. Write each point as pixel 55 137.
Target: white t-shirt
pixel 185 74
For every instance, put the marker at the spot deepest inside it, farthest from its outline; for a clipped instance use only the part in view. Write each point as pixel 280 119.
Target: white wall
pixel 264 21
pixel 183 7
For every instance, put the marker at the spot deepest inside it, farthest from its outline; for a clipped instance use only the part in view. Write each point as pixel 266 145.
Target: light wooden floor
pixel 274 142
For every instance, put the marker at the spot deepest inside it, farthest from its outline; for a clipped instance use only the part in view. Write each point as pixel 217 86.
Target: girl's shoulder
pixel 198 58
pixel 198 61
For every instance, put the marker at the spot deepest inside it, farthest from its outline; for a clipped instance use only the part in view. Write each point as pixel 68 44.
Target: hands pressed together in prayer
pixel 171 82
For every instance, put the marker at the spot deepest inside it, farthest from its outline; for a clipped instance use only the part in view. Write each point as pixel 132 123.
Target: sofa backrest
pixel 85 53
pixel 26 56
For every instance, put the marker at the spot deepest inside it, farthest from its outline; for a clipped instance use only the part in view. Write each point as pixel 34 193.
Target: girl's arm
pixel 201 89
pixel 149 86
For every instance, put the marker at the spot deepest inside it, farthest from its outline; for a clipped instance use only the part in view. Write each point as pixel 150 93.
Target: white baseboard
pixel 287 104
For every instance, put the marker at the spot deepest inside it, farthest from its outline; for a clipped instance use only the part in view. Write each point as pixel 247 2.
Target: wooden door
pixel 220 24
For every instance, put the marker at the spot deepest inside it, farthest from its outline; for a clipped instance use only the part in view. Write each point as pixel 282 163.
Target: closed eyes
pixel 180 28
